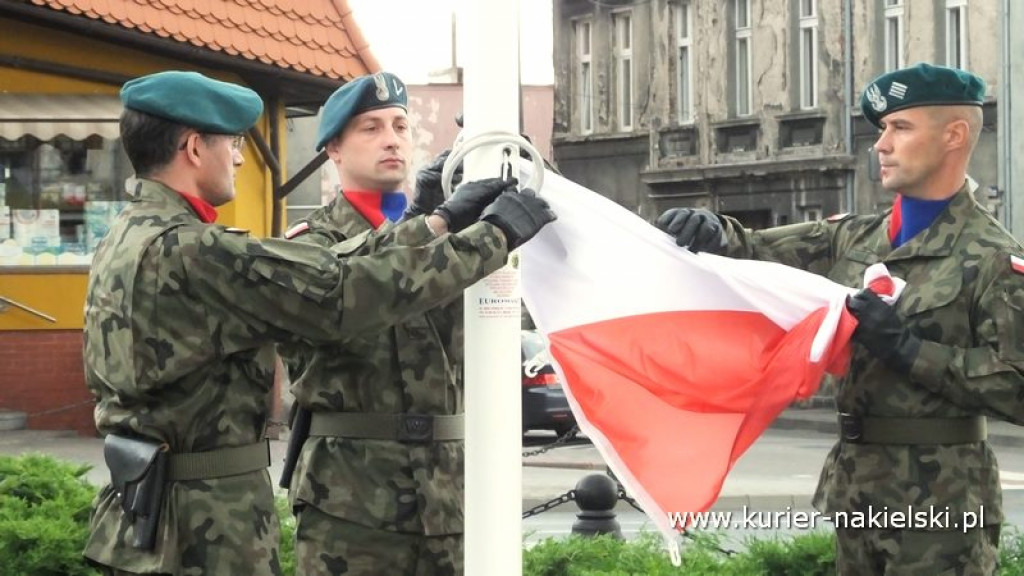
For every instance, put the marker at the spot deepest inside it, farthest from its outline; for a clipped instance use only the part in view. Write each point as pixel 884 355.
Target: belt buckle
pixel 851 428
pixel 416 428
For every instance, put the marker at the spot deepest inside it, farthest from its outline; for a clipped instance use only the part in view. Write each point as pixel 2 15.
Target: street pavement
pixel 778 472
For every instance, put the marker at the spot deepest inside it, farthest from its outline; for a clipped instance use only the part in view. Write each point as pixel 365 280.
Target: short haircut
pixel 149 141
pixel 972 115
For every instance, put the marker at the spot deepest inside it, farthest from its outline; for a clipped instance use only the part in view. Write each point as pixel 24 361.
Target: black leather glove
pixel 520 215
pixel 429 194
pixel 469 200
pixel 697 228
pixel 881 330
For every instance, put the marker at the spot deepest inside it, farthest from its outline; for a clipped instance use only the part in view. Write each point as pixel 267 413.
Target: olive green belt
pixel 411 428
pixel 873 430
pixel 219 463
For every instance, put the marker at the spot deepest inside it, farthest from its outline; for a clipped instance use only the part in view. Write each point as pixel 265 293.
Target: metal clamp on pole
pixel 460 150
pixel 4 302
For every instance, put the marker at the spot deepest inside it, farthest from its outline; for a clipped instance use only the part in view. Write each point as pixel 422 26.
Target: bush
pixel 287 550
pixel 44 517
pixel 44 523
pixel 702 554
pixel 1011 552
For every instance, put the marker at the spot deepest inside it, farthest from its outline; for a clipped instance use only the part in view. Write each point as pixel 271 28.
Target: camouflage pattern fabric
pixel 965 300
pixel 180 322
pixel 329 546
pixel 414 367
pixel 917 553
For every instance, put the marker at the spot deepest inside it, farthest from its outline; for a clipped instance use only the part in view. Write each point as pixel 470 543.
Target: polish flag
pixel 673 363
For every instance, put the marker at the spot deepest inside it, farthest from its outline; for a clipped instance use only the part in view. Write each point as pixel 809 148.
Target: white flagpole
pixel 493 521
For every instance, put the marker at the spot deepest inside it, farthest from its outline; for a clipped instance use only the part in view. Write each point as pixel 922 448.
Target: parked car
pixel 545 406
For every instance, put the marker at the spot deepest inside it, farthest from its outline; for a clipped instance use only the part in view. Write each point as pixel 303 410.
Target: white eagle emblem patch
pixel 878 101
pixel 382 87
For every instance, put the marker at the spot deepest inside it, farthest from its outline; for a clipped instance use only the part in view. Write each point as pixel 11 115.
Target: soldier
pixel 379 484
pixel 925 372
pixel 182 315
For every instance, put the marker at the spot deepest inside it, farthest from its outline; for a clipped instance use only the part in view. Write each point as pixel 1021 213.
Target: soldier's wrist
pixel 437 225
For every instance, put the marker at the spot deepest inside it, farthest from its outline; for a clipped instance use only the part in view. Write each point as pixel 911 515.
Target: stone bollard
pixel 596 497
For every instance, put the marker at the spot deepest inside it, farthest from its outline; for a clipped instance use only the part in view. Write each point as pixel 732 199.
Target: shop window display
pixel 57 198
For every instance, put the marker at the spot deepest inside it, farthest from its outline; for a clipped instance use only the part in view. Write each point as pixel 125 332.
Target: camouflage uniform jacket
pixel 180 321
pixel 964 299
pixel 413 367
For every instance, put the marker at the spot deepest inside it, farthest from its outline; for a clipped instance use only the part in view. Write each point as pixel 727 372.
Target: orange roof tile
pixel 318 37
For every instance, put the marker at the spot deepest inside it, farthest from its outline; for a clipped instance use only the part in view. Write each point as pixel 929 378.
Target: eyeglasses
pixel 237 141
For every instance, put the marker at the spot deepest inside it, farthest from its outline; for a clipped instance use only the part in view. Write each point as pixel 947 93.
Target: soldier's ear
pixel 958 134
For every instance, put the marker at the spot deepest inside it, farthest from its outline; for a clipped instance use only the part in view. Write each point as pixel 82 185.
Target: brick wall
pixel 41 374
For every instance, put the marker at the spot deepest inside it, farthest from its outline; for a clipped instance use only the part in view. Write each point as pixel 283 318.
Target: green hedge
pixel 45 503
pixel 811 554
pixel 44 517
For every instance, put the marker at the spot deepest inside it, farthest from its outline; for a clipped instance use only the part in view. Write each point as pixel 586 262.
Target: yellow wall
pixel 63 295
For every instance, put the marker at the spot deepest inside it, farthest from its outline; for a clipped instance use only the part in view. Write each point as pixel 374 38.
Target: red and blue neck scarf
pixel 912 215
pixel 377 206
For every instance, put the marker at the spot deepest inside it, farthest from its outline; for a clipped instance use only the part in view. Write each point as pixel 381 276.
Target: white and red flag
pixel 674 363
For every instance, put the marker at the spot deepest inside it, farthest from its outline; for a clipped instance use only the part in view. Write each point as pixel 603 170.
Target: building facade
pixel 63 174
pixel 750 107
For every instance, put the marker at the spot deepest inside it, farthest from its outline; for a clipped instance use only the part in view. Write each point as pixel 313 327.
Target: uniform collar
pixel 345 218
pixel 206 212
pixel 376 206
pixel 154 191
pixel 939 238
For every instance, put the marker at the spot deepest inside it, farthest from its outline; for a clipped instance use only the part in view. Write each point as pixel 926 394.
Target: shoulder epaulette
pixel 297 230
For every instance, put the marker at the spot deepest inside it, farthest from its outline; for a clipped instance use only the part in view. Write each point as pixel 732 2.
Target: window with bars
pixel 893 35
pixel 743 92
pixel 584 76
pixel 684 63
pixel 808 54
pixel 622 24
pixel 956 33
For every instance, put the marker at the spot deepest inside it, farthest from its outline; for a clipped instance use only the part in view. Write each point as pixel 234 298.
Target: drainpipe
pixel 848 95
pixel 1003 109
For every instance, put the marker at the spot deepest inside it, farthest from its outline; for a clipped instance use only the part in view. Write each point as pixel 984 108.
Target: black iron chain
pixel 555 502
pixel 560 441
pixel 685 533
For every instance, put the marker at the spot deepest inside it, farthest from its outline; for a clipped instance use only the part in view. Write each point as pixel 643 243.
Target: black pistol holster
pixel 138 473
pixel 299 432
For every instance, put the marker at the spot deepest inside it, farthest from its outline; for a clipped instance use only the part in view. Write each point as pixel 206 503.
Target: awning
pixel 46 116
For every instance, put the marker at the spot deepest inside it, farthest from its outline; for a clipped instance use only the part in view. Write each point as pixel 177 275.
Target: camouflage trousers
pixel 875 552
pixel 329 546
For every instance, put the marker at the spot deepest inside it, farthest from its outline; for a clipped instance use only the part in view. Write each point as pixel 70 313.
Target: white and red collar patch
pixel 296 230
pixel 1017 264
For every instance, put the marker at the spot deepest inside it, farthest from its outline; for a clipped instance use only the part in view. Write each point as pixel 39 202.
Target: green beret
pixel 362 94
pixel 920 85
pixel 193 100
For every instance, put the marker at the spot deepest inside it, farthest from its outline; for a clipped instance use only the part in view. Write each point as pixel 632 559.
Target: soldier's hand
pixel 520 215
pixel 429 193
pixel 697 228
pixel 882 331
pixel 469 201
